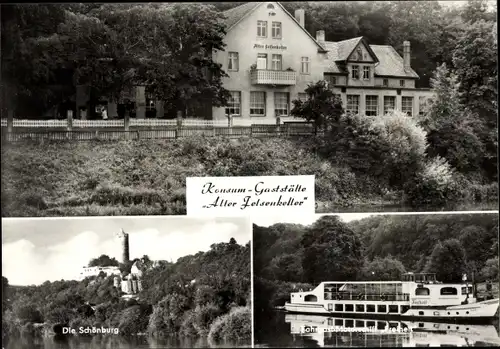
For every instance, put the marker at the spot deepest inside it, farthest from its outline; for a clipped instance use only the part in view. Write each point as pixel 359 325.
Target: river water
pixel 314 331
pixel 116 342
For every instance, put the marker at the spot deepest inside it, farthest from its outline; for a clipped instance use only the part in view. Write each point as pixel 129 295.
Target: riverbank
pixel 147 177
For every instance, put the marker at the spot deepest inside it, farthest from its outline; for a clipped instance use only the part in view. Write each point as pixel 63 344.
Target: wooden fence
pixel 285 130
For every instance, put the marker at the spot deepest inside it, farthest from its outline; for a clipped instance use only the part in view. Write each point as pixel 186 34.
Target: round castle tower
pixel 123 237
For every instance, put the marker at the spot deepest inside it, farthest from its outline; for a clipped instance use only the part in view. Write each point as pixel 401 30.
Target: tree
pixel 286 267
pixel 103 261
pixel 450 126
pixel 490 269
pixel 477 242
pixel 383 269
pixel 447 261
pixel 321 107
pixel 475 62
pixel 29 81
pixel 475 10
pixel 331 251
pixel 116 47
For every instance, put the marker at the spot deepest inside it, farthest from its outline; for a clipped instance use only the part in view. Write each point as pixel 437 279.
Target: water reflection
pixel 321 331
pixel 328 331
pixel 116 342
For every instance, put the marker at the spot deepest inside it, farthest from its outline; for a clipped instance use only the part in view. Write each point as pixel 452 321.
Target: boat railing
pixel 367 297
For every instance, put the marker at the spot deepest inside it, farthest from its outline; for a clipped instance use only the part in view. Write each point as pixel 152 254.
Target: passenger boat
pixel 354 332
pixel 417 295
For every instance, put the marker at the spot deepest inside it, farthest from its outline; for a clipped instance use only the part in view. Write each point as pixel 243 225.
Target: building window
pixel 233 62
pixel 389 103
pixel 277 61
pixel 352 104
pixel 331 80
pixel 401 83
pixel 407 105
pixel 276 30
pixel 262 29
pixel 302 97
pixel 385 82
pixel 305 65
pixel 366 73
pixel 355 72
pixel 371 106
pixel 281 103
pixel 257 103
pixel 423 105
pixel 262 61
pixel 234 103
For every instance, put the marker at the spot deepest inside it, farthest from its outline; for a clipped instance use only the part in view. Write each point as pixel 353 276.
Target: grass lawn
pixel 147 177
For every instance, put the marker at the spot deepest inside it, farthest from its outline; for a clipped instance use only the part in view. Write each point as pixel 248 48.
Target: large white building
pixel 271 58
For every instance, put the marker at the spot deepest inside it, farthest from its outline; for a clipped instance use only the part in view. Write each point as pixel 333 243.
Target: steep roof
pixel 345 48
pixel 390 62
pixel 236 14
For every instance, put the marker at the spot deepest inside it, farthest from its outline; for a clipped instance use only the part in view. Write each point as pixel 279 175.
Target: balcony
pixel 273 77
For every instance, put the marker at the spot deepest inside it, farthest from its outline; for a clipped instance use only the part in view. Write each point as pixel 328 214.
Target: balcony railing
pixel 273 77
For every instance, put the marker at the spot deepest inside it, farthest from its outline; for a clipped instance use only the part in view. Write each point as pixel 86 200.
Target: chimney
pixel 406 55
pixel 320 36
pixel 300 15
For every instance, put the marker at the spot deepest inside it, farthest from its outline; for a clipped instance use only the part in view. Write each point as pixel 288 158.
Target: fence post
pixel 10 120
pixel 179 123
pixel 126 124
pixel 278 124
pixel 69 115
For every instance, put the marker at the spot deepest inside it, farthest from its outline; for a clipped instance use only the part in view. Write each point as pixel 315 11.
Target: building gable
pixel 236 15
pixel 362 53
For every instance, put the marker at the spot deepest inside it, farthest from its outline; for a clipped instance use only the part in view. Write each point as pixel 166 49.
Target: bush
pixel 167 316
pixel 198 321
pixel 382 146
pixel 434 185
pixel 237 325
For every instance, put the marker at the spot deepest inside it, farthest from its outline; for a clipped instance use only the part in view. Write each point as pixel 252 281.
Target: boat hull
pixel 481 310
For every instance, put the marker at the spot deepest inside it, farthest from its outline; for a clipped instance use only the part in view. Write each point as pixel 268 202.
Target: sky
pixel 39 249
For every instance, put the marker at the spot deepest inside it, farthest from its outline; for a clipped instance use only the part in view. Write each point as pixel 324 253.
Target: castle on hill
pixel 129 282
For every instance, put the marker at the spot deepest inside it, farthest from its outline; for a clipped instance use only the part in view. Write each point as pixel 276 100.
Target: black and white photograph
pixel 376 280
pixel 106 108
pixel 126 283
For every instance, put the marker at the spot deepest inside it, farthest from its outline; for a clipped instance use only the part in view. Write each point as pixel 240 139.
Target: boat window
pixel 381 325
pixel 370 308
pixel 339 322
pixel 381 308
pixel 349 323
pixel 330 307
pixel 330 321
pixel 422 291
pixel 393 308
pixel 349 307
pixel 310 298
pixel 360 308
pixel 360 323
pixel 448 291
pixel 339 307
pixel 370 324
pixel 404 308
